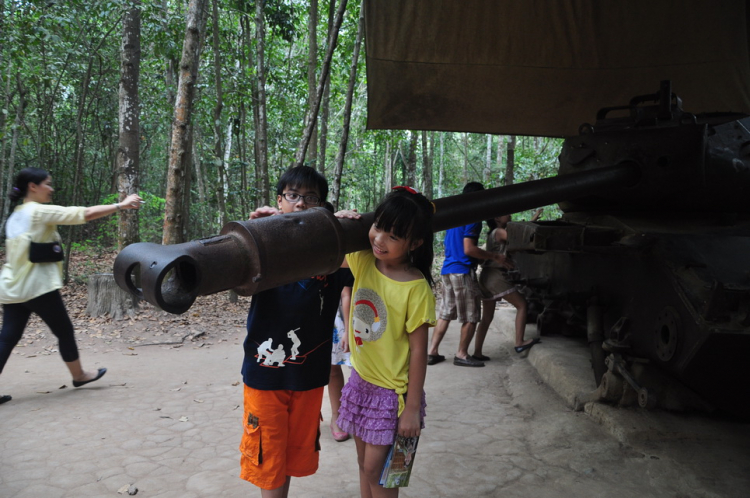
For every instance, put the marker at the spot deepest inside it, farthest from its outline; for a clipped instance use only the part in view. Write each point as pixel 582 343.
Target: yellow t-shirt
pixel 20 279
pixel 383 313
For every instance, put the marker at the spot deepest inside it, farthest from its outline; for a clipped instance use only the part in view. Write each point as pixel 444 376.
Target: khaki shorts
pixel 493 283
pixel 281 435
pixel 461 298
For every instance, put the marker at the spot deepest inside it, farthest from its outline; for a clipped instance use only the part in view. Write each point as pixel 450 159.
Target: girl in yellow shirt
pixel 392 308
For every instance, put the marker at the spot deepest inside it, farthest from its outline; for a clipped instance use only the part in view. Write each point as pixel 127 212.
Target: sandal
pixel 5 398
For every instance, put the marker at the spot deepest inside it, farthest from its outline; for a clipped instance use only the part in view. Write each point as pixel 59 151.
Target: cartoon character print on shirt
pixel 370 318
pixel 277 357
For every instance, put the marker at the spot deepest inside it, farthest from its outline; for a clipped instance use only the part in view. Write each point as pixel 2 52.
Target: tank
pixel 655 276
pixel 649 261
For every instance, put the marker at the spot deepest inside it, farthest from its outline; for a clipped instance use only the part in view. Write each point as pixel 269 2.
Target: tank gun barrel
pixel 463 209
pixel 252 256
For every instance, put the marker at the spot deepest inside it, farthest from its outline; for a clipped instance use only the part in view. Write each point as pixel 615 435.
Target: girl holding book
pixel 391 310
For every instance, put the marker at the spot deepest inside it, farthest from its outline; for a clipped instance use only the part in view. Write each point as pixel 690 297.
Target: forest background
pixel 200 105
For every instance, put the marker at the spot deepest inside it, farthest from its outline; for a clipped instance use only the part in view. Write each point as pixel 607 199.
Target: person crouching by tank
pixel 28 287
pixel 495 285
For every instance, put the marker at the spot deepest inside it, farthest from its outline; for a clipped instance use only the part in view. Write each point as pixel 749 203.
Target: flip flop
pixel 5 398
pixel 521 349
pixel 99 375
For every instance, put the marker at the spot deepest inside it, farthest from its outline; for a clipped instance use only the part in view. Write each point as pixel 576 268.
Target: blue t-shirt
pixel 289 332
pixel 456 260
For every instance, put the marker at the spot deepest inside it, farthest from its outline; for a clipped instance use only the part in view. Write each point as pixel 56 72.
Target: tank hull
pixel 674 292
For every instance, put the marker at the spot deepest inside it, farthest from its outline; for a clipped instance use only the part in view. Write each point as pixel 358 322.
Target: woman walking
pixel 31 279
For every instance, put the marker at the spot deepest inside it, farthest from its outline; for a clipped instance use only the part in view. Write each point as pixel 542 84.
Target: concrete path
pixel 167 421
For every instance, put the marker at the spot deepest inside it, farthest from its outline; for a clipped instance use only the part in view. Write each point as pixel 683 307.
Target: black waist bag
pixel 45 252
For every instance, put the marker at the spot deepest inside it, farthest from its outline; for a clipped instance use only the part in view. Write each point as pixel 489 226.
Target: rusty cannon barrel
pixel 251 256
pixel 247 256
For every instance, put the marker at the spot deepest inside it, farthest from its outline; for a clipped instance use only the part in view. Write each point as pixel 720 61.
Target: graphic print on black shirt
pixel 291 326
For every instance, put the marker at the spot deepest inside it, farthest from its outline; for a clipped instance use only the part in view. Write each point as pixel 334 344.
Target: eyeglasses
pixel 406 188
pixel 294 198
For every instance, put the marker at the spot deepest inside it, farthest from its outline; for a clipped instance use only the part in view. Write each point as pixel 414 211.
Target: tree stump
pixel 105 297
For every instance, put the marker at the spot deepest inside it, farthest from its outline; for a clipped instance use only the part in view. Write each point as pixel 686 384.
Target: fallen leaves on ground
pixel 211 318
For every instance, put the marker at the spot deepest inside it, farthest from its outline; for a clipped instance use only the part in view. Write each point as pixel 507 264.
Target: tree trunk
pixel 169 70
pixel 218 108
pixel 312 64
pixel 178 176
pixel 388 166
pixel 427 150
pixel 261 126
pixel 14 141
pixel 411 161
pixel 325 111
pixel 250 63
pixel 510 160
pixel 80 147
pixel 312 115
pixel 107 298
pixel 488 163
pixel 466 157
pixel 442 165
pixel 169 75
pixel 6 180
pixel 341 155
pixel 223 168
pixel 197 164
pixel 499 160
pixel 3 115
pixel 128 152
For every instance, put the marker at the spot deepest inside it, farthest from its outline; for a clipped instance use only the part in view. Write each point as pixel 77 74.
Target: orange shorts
pixel 281 436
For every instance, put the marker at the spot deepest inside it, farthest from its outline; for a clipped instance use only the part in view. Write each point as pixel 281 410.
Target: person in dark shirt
pixel 288 358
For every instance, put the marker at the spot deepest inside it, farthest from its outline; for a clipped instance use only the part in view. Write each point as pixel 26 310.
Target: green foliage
pixel 150 221
pixel 65 57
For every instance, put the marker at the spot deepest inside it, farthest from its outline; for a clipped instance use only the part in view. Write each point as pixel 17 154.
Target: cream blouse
pixel 20 279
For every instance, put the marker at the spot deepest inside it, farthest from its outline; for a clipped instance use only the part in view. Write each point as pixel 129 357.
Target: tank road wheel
pixel 667 333
pixel 646 398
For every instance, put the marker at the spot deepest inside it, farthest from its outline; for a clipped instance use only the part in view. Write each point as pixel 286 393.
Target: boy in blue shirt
pixel 461 297
pixel 288 358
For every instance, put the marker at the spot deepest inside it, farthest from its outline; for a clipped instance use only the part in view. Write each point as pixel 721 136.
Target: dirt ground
pixel 493 431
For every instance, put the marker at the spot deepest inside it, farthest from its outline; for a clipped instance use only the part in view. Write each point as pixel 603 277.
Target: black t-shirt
pixel 289 332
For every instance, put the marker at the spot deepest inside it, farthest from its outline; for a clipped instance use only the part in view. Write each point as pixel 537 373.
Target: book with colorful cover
pixel 398 463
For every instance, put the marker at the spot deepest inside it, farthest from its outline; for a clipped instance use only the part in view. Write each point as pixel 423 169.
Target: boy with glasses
pixel 288 358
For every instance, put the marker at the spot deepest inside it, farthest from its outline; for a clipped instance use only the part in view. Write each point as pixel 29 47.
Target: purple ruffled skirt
pixel 370 412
